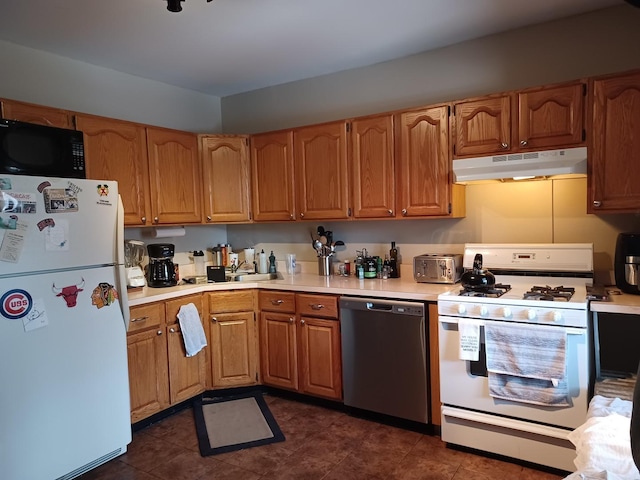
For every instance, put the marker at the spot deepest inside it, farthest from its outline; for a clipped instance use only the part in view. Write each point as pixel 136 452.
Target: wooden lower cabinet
pixel 148 363
pixel 300 349
pixel 233 339
pixel 160 373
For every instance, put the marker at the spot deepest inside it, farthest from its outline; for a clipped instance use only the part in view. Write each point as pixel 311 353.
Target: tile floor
pixel 320 443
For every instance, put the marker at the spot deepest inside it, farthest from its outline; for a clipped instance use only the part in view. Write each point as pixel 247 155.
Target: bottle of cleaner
pixel 272 263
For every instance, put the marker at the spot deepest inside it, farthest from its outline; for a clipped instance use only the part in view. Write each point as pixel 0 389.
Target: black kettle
pixel 477 278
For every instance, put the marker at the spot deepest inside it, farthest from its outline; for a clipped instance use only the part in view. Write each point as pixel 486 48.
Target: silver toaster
pixel 437 268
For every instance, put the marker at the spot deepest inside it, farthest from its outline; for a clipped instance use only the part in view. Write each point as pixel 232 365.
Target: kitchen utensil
pixel 477 278
pixel 325 264
pixel 320 230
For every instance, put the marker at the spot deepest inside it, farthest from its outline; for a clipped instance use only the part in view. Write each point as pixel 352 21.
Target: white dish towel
pixel 527 363
pixel 192 331
pixel 469 333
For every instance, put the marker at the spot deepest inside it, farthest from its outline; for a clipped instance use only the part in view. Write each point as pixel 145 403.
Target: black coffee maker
pixel 161 271
pixel 627 263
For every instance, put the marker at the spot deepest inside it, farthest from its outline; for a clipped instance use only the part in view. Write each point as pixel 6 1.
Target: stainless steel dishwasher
pixel 384 356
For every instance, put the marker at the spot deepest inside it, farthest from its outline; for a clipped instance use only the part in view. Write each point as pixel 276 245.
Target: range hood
pixel 569 161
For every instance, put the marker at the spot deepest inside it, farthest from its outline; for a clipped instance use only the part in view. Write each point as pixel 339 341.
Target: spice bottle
pixel 347 267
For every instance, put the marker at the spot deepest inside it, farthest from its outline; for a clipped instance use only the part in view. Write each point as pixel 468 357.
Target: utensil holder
pixel 325 265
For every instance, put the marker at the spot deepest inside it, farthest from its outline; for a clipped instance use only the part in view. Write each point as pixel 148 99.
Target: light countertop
pixel 405 288
pixel 618 303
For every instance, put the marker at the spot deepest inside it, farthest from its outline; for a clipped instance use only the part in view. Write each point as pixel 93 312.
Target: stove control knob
pixel 506 313
pixel 462 309
pixel 557 316
pixel 531 314
pixel 483 310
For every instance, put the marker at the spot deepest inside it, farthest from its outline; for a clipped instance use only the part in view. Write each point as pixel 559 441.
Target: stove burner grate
pixel 549 293
pixel 495 291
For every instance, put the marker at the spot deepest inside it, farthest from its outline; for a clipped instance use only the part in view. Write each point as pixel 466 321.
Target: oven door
pixel 464 384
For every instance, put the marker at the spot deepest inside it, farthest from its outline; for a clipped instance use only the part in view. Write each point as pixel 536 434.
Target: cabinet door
pixel 174 176
pixel 372 167
pixel 272 176
pixel 27 112
pixel 225 165
pixel 117 150
pixel 320 357
pixel 322 186
pixel 551 117
pixel 483 126
pixel 279 352
pixel 148 372
pixel 233 349
pixel 187 375
pixel 615 145
pixel 424 167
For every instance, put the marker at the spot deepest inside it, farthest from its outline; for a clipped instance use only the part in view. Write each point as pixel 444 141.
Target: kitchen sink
pixel 252 277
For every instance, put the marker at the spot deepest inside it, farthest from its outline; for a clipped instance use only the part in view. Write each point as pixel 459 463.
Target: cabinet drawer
pixel 317 305
pixel 276 301
pixel 233 301
pixel 146 316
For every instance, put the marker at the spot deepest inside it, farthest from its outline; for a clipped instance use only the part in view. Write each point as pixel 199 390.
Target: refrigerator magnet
pixel 37 316
pixel 69 293
pixel 103 295
pixel 15 303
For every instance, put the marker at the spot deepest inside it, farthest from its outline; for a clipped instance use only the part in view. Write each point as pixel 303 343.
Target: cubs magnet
pixel 15 304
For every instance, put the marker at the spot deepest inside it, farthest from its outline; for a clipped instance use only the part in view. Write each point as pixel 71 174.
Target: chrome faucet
pixel 234 268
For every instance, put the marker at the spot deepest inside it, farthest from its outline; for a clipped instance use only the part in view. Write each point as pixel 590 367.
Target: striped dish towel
pixel 527 364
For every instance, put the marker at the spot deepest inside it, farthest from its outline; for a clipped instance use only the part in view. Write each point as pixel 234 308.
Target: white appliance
pixel 64 401
pixel 569 161
pixel 473 418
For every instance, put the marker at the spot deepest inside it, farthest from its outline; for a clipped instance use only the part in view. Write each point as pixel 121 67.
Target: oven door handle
pixel 568 330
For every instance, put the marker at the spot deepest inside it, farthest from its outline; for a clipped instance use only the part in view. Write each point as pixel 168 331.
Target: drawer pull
pixel 140 319
pixel 316 306
pixel 277 302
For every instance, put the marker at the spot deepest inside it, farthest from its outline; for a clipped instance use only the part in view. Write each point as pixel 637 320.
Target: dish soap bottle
pixel 272 263
pixel 262 262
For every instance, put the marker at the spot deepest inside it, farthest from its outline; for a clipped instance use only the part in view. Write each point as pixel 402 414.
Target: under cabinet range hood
pixel 569 161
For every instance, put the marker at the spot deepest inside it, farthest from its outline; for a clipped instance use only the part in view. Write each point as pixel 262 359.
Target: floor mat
pixel 235 422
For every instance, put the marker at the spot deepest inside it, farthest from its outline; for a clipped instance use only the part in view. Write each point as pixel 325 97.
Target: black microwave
pixel 32 149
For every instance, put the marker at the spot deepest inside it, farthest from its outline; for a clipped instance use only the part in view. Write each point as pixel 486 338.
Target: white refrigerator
pixel 64 388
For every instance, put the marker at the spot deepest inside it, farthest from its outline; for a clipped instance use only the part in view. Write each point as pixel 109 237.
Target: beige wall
pixel 598 42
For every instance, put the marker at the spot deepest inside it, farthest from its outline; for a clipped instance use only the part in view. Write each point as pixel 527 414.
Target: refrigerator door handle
pixel 121 276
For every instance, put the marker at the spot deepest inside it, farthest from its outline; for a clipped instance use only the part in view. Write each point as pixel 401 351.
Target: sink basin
pixel 252 277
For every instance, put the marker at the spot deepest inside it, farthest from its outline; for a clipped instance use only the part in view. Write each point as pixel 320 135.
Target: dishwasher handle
pixel 382 305
pixel 385 307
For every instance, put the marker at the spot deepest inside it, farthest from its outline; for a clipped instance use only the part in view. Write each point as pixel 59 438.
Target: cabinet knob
pixel 504 146
pixel 291 216
pixel 291 320
pixel 156 219
pixel 173 330
pixel 316 306
pixel 144 219
pixel 159 332
pixel 523 143
pixel 214 319
pixel 390 212
pixel 208 218
pixel 597 203
pixel 301 322
pixel 301 215
pixel 404 212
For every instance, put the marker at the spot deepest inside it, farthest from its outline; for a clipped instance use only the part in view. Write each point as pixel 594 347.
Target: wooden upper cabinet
pixel 117 150
pixel 272 176
pixel 551 117
pixel 174 176
pixel 225 166
pixel 614 170
pixel 482 126
pixel 423 164
pixel 322 185
pixel 27 112
pixel 371 156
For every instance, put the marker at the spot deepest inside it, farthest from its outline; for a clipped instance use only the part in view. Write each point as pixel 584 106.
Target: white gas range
pixel 539 294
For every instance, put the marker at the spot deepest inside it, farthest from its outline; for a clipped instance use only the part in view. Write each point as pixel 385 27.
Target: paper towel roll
pixel 164 232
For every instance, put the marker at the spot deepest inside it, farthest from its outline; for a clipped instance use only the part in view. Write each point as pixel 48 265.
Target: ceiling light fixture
pixel 176 5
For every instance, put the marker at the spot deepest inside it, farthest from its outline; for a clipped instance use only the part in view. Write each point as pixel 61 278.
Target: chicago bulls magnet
pixel 15 304
pixel 69 293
